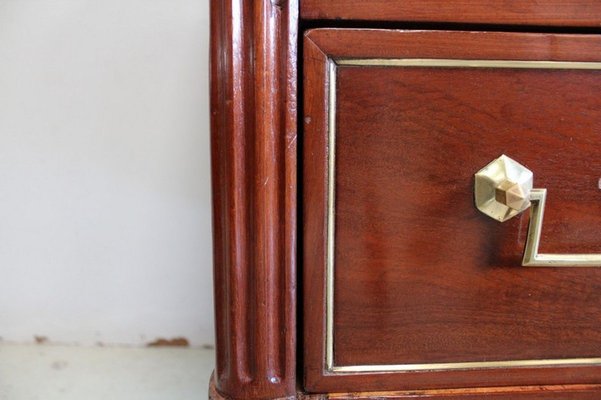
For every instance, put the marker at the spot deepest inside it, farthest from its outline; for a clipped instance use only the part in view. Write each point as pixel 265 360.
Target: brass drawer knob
pixel 502 190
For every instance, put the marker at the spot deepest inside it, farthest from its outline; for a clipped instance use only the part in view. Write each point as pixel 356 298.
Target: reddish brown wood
pixel 378 43
pixel 314 212
pixel 214 394
pixel 253 117
pixel 418 261
pixel 421 275
pixel 522 12
pixel 566 392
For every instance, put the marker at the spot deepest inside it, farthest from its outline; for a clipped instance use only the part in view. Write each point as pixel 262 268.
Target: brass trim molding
pixel 462 365
pixel 331 184
pixel 450 63
pixel 331 217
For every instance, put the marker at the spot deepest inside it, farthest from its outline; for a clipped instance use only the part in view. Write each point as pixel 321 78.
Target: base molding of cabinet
pixel 215 395
pixel 548 392
pixel 573 392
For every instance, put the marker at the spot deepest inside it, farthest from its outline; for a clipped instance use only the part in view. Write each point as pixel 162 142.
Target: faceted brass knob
pixel 502 188
pixel 512 195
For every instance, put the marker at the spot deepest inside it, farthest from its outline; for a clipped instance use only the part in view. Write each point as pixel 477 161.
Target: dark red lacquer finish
pixel 420 275
pixel 513 12
pixel 253 116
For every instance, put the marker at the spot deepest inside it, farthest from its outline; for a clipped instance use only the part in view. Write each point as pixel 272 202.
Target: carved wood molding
pixel 550 392
pixel 253 140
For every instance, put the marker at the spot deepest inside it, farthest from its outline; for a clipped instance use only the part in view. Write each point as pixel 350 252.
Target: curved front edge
pixel 253 152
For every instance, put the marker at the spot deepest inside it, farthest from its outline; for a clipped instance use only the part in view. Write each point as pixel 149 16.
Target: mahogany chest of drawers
pixel 381 174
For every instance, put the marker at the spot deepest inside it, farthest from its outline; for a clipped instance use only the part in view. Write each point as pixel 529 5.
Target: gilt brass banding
pixel 442 63
pixel 512 199
pixel 331 205
pixel 464 365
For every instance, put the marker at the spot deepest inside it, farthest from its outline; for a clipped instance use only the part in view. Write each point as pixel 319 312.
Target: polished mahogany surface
pixel 253 149
pixel 420 275
pixel 517 12
pixel 410 284
pixel 563 392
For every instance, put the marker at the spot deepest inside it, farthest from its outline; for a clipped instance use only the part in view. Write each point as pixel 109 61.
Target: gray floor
pixel 30 372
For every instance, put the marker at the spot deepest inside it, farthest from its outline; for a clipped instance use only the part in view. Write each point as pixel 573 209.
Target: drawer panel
pixel 584 13
pixel 407 284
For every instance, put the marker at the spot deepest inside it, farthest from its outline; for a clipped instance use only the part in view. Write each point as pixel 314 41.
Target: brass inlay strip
pixel 330 247
pixel 442 63
pixel 331 213
pixel 463 365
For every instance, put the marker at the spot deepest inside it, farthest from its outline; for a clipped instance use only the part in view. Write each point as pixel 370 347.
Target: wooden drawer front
pixel 406 284
pixel 517 12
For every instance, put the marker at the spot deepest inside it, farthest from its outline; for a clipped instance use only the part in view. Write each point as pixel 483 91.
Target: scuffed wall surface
pixel 104 171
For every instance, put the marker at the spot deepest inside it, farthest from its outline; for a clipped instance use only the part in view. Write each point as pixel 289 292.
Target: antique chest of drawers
pixel 407 199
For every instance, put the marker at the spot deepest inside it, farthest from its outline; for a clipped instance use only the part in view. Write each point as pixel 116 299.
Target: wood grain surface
pixel 515 12
pixel 420 275
pixel 253 138
pixel 564 392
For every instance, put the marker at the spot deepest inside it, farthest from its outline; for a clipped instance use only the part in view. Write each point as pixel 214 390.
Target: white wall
pixel 104 171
